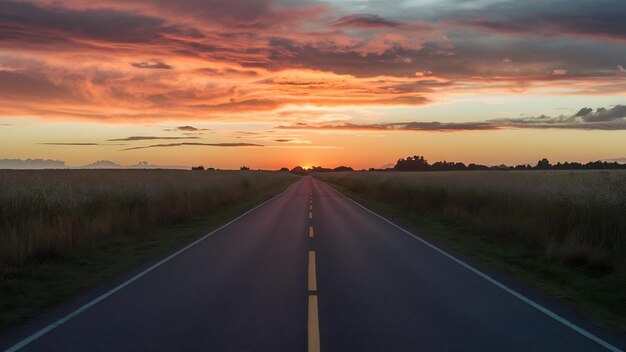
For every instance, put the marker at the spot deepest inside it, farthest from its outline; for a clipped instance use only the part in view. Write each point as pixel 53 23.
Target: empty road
pixel 307 270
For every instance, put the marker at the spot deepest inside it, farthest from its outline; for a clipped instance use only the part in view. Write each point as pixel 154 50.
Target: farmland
pixel 47 212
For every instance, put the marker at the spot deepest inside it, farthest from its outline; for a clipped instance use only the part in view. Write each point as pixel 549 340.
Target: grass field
pixel 96 201
pixel 46 212
pixel 564 232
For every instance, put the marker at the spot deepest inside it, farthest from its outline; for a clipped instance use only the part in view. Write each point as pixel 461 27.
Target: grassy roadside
pixel 601 297
pixel 39 284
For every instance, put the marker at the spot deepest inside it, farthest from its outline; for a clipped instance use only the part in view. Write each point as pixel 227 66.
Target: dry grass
pixel 47 212
pixel 577 217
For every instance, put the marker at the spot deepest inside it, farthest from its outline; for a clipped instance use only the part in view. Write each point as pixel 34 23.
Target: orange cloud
pixel 151 60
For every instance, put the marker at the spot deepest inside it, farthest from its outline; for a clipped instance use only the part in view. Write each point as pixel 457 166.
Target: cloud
pixel 148 138
pixel 227 145
pixel 599 19
pixel 612 119
pixel 71 143
pixel 187 128
pixel 399 126
pixel 108 164
pixel 364 21
pixel 283 140
pixel 585 119
pixel 17 164
pixel 23 86
pixel 152 65
pixel 617 112
pixel 114 60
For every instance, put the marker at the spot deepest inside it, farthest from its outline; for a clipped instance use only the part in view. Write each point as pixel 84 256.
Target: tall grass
pixel 46 212
pixel 578 217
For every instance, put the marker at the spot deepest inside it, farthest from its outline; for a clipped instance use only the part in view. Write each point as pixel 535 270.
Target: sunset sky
pixel 283 83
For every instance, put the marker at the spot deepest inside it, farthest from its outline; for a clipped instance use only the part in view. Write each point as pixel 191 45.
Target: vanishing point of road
pixel 309 270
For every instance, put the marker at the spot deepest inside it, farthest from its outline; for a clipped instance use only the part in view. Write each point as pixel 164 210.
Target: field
pixel 48 212
pixel 574 216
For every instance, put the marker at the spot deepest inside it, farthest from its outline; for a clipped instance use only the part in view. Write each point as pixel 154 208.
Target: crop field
pixel 46 212
pixel 574 217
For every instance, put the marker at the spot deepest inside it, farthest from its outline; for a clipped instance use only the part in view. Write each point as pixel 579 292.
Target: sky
pixel 277 83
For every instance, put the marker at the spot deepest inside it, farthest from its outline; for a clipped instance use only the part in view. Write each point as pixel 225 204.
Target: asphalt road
pixel 308 270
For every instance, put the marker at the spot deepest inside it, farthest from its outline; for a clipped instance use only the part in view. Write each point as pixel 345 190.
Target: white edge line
pixel 104 296
pixel 497 283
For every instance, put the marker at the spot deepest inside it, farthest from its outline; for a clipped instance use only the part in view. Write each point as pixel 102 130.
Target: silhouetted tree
pixel 199 167
pixel 244 168
pixel 414 163
pixel 543 164
pixel 299 170
pixel 283 169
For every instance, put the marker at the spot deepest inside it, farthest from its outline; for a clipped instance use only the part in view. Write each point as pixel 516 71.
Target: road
pixel 307 270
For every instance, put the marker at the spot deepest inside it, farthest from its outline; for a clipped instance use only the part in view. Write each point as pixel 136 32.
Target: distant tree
pixel 343 168
pixel 543 164
pixel 199 167
pixel 412 163
pixel 283 169
pixel 299 170
pixel 210 169
pixel 244 168
pixel 474 167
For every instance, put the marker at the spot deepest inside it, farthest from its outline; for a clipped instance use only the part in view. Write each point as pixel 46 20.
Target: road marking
pixel 311 207
pixel 310 215
pixel 497 283
pixel 314 325
pixel 109 293
pixel 310 231
pixel 312 275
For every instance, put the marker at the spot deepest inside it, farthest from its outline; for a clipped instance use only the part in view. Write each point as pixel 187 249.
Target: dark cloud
pixel 598 18
pixel 187 128
pixel 612 119
pixel 152 64
pixel 227 145
pixel 15 85
pixel 148 138
pixel 361 59
pixel 617 112
pixel 401 126
pixel 32 22
pixel 241 15
pixel 364 21
pixel 283 140
pixel 71 143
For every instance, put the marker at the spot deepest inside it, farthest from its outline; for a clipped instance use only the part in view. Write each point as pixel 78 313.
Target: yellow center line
pixel 312 275
pixel 310 231
pixel 311 207
pixel 310 215
pixel 314 325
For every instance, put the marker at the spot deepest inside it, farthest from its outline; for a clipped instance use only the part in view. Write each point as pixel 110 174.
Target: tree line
pixel 419 163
